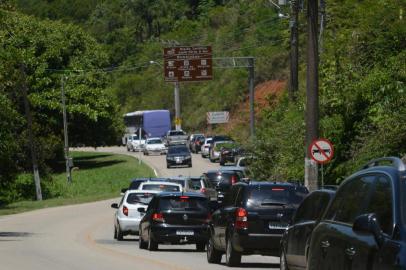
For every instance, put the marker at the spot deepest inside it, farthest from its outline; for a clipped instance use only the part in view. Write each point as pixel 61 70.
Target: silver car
pixel 206 147
pixel 127 217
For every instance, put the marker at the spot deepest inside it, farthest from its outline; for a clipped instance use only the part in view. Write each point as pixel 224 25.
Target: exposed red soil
pixel 263 92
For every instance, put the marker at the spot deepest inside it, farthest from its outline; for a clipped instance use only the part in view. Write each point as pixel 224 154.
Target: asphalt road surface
pixel 80 237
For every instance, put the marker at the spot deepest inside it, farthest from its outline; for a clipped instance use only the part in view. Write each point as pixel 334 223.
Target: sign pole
pixel 322 175
pixel 177 107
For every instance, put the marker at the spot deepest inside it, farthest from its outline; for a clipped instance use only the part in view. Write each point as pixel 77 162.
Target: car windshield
pixel 176 133
pixel 144 198
pixel 268 196
pixel 216 177
pixel 183 203
pixel 155 141
pixel 178 150
pixel 160 187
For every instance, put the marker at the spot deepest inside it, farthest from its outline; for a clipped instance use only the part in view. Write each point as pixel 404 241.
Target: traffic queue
pixel 360 224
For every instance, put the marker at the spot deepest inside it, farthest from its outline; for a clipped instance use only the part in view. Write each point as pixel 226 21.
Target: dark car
pixel 175 218
pixel 196 144
pixel 364 227
pixel 203 185
pixel 223 180
pixel 229 154
pixel 178 155
pixel 296 239
pixel 135 183
pixel 251 220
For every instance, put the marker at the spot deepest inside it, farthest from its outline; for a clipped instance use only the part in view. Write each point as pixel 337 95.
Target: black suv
pixel 251 220
pixel 365 225
pixel 296 239
pixel 175 218
pixel 178 155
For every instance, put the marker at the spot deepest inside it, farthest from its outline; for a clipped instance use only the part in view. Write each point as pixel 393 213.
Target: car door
pixel 360 248
pixel 303 224
pixel 146 220
pixel 330 237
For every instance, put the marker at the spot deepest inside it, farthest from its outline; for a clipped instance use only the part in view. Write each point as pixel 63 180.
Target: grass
pixel 96 176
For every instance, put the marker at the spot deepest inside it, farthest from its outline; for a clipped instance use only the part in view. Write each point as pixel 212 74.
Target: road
pixel 80 237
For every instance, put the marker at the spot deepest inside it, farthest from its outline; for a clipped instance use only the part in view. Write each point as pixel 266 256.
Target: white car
pixel 127 218
pixel 155 146
pixel 214 153
pixel 134 143
pixel 160 186
pixel 206 147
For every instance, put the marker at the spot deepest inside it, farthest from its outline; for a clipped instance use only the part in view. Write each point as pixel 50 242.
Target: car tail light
pixel 158 217
pixel 241 219
pixel 233 179
pixel 125 210
pixel 202 190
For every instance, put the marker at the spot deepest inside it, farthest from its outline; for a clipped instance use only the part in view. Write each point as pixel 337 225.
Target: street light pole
pixel 65 131
pixel 312 93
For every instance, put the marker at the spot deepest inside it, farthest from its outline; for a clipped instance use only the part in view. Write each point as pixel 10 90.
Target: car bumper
pixel 251 243
pixel 129 225
pixel 165 234
pixel 155 151
pixel 182 162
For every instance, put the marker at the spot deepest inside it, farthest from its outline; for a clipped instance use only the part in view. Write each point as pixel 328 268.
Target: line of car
pixel 359 225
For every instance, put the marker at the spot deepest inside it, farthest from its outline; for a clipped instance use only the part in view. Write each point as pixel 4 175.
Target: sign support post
pixel 178 125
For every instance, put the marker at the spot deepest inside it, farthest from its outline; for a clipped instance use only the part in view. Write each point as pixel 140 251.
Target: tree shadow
pixel 84 165
pixel 15 234
pixel 90 157
pixel 85 162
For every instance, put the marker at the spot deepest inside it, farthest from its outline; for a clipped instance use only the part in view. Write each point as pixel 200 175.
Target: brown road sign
pixel 187 64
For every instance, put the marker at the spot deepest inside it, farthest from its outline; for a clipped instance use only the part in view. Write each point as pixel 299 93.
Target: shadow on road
pixel 257 265
pixel 15 234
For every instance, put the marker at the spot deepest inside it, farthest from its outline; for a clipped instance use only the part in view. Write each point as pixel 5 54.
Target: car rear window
pixel 144 198
pixel 183 203
pixel 177 181
pixel 176 133
pixel 268 196
pixel 160 187
pixel 195 184
pixel 155 141
pixel 224 177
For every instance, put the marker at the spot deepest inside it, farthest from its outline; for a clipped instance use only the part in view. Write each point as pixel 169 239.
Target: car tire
pixel 213 255
pixel 190 165
pixel 141 243
pixel 115 232
pixel 222 163
pixel 152 245
pixel 233 258
pixel 120 234
pixel 167 166
pixel 283 264
pixel 200 246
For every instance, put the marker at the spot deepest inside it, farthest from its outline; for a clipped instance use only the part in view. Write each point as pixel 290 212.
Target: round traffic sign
pixel 321 151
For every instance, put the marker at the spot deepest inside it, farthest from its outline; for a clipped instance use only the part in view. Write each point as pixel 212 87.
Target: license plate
pixel 275 225
pixel 185 232
pixel 179 161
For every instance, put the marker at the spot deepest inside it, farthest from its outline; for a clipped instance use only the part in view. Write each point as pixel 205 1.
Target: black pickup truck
pixel 252 219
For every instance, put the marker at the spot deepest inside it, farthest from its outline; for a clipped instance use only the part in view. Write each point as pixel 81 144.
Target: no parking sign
pixel 321 151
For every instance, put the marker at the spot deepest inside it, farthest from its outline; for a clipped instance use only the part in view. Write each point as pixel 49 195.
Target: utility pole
pixel 312 93
pixel 294 50
pixel 177 107
pixel 251 70
pixel 65 132
pixel 37 180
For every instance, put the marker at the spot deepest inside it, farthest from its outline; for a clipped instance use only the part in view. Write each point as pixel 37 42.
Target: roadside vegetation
pixel 96 176
pixel 105 48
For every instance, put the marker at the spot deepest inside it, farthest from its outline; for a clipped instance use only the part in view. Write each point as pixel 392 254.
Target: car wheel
pixel 213 255
pixel 167 166
pixel 222 163
pixel 115 232
pixel 233 258
pixel 283 264
pixel 190 165
pixel 120 234
pixel 200 246
pixel 141 243
pixel 152 245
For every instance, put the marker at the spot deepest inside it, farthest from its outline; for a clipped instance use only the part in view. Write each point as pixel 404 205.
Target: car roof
pixel 173 194
pixel 145 179
pixel 154 138
pixel 232 168
pixel 140 191
pixel 159 183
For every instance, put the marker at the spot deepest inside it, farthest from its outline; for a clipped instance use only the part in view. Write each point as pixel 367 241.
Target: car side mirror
pixel 114 205
pixel 368 223
pixel 123 190
pixel 141 209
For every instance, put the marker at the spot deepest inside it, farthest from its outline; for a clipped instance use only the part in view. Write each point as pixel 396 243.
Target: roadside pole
pixel 177 107
pixel 65 131
pixel 37 180
pixel 312 107
pixel 294 51
pixel 251 69
pixel 139 143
